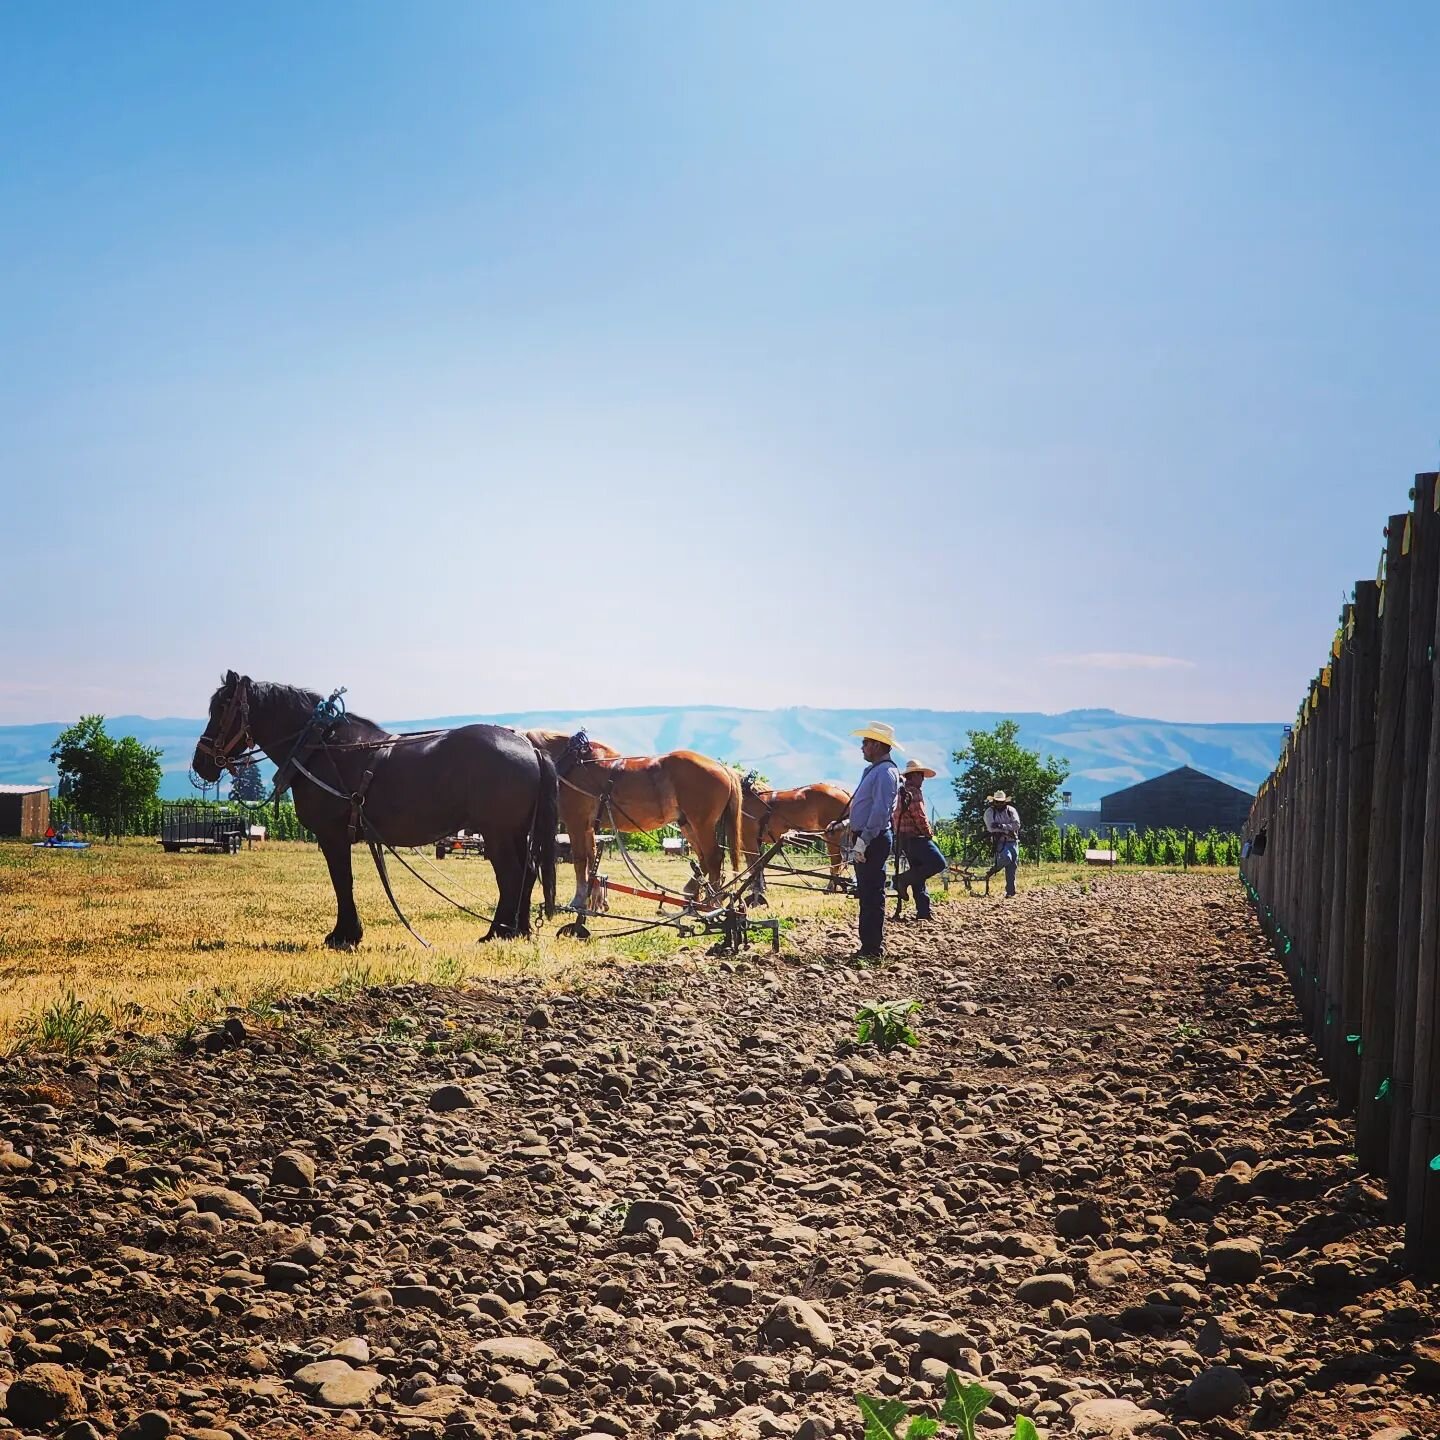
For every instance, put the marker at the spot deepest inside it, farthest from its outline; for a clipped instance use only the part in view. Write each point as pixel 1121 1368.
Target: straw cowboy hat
pixel 879 730
pixel 914 767
pixel 999 798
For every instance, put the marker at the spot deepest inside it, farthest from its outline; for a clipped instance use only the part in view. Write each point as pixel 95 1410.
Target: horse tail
pixel 547 822
pixel 732 823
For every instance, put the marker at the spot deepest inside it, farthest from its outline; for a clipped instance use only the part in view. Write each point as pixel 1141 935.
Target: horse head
pixel 227 736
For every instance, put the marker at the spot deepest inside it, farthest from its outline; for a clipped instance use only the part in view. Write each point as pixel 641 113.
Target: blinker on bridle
pixel 232 739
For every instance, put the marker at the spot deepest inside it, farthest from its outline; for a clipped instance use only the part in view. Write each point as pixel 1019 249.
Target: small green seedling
pixel 886 1023
pixel 964 1403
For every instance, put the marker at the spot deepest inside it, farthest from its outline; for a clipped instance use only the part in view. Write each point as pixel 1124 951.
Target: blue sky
pixel 541 355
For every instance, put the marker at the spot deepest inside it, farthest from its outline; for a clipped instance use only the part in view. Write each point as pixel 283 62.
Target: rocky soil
pixel 1110 1182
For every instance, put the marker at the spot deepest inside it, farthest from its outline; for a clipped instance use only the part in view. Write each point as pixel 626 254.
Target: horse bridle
pixel 232 739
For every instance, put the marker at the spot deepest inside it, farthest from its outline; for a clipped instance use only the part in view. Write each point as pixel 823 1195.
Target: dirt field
pixel 152 942
pixel 680 1200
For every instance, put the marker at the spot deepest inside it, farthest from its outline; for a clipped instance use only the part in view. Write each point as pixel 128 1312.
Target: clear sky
pixel 489 357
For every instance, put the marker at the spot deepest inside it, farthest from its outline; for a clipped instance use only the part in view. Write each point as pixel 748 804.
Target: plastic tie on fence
pixel 1330 1015
pixel 1357 1042
pixel 1383 1093
pixel 1435 1162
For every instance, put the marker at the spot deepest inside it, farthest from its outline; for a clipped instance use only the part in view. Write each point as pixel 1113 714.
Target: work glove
pixel 857 854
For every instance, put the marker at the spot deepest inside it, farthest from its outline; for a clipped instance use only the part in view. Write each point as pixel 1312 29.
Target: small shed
pixel 1183 799
pixel 25 811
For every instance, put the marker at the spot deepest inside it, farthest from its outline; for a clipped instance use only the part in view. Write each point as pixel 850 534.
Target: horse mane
pixel 272 694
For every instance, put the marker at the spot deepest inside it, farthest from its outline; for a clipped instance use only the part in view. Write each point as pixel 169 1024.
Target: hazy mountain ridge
pixel 792 746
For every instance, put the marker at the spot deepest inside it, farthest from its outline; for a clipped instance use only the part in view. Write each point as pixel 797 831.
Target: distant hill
pixel 793 746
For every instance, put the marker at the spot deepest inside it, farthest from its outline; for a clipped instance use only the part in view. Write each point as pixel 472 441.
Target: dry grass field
pixel 147 941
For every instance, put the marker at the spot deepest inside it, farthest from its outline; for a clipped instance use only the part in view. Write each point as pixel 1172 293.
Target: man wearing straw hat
pixel 915 840
pixel 1002 824
pixel 871 808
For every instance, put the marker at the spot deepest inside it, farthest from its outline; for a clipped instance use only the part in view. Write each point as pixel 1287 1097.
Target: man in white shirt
pixel 871 808
pixel 1002 824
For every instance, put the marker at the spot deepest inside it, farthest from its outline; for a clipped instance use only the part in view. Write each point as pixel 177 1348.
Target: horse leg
pixel 709 853
pixel 582 851
pixel 348 930
pixel 520 917
pixel 757 895
pixel 835 863
pixel 509 874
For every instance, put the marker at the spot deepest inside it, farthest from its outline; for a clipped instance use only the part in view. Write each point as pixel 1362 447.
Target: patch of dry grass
pixel 150 942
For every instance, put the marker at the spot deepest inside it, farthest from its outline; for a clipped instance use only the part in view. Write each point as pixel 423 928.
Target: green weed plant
pixel 964 1404
pixel 886 1024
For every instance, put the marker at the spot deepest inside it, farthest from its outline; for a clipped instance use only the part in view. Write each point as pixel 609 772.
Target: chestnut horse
pixel 642 792
pixel 771 814
pixel 353 781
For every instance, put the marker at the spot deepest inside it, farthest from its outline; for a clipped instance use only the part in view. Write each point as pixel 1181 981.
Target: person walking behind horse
pixel 871 808
pixel 916 841
pixel 1002 824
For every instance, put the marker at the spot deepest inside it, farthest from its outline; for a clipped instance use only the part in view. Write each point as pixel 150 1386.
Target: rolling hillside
pixel 1106 751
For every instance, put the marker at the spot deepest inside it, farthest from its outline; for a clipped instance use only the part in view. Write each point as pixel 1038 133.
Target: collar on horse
pixel 767 807
pixel 578 751
pixel 327 714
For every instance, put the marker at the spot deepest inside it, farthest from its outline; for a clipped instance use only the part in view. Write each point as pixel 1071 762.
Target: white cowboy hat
pixel 914 767
pixel 879 730
pixel 1000 798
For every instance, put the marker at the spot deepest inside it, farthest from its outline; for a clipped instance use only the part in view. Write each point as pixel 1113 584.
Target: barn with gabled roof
pixel 1183 799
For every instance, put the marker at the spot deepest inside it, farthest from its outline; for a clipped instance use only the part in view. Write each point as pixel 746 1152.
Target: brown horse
pixel 771 814
pixel 644 792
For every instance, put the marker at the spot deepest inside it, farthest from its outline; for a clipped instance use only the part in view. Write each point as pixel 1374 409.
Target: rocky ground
pixel 1110 1182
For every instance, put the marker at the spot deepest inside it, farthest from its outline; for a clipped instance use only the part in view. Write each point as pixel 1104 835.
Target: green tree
pixel 247 784
pixel 995 760
pixel 103 776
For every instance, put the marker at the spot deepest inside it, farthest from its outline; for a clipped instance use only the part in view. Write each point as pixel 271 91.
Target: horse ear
pixel 231 677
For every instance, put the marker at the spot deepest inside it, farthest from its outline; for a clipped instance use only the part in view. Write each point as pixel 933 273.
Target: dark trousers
pixel 870 878
pixel 924 859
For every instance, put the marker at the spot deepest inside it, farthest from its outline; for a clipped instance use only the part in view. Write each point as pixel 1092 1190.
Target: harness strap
pixel 314 779
pixel 377 853
pixel 357 798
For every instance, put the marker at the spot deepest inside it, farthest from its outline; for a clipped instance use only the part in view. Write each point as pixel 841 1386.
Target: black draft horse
pixel 354 781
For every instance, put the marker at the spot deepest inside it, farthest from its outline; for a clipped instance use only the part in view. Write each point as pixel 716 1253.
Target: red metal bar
pixel 646 894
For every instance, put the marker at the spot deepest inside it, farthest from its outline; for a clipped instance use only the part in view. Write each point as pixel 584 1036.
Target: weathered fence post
pixel 1363 645
pixel 1300 843
pixel 1280 891
pixel 1424 571
pixel 1382 883
pixel 1317 824
pixel 1341 670
pixel 1421 1181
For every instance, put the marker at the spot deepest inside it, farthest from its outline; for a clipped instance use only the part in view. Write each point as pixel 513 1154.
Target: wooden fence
pixel 1343 865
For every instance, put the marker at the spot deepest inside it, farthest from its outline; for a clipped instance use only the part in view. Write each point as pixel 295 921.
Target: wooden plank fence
pixel 1346 874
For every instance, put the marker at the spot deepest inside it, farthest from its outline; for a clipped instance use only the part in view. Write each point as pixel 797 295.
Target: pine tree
pixel 247 784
